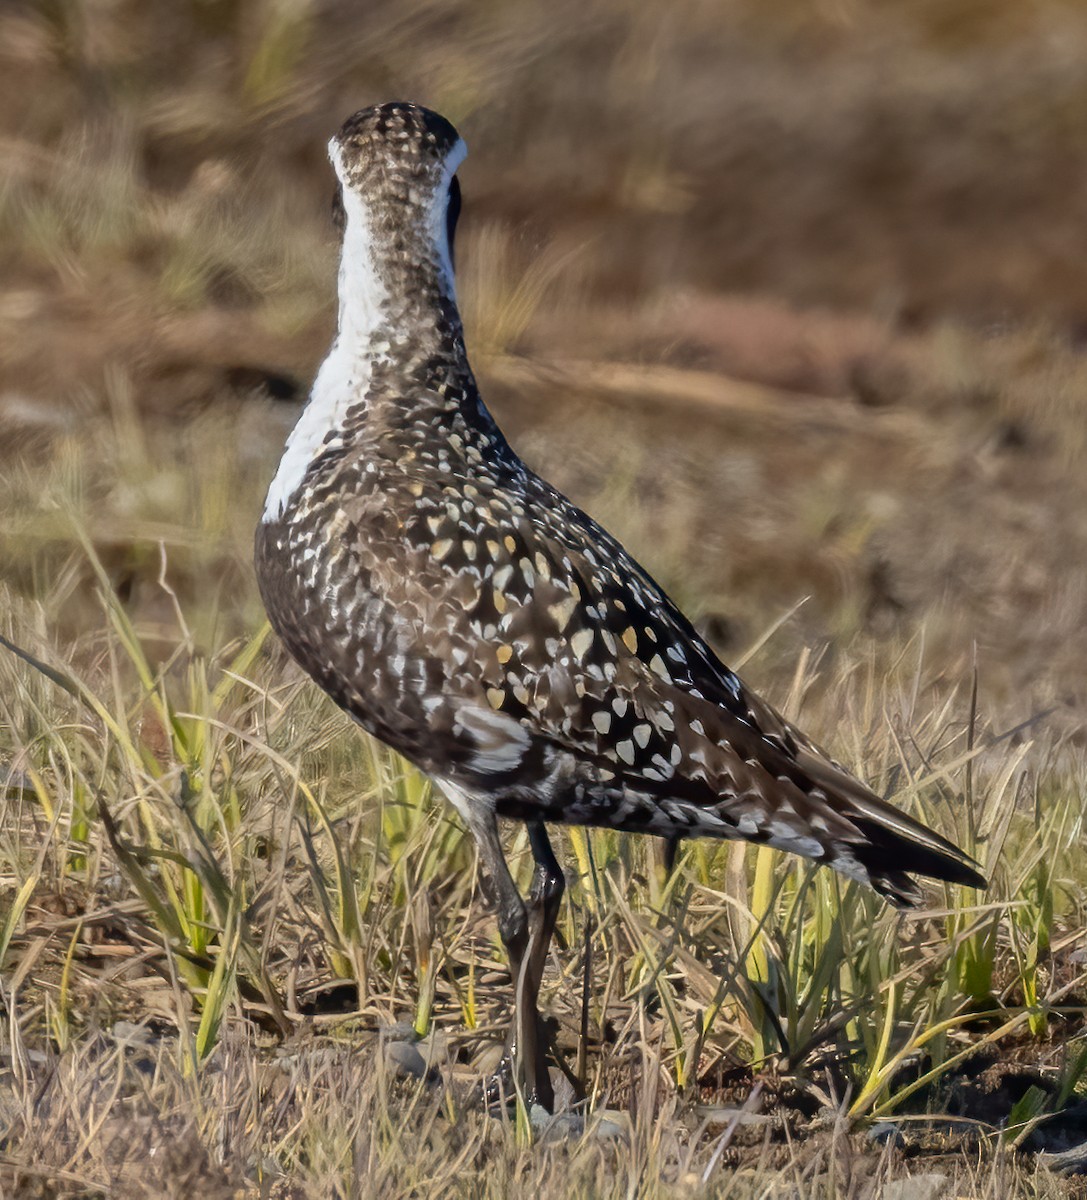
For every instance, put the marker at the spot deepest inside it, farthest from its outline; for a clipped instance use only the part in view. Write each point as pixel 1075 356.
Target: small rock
pixel 613 1125
pixel 561 1127
pixel 1066 1162
pixel 400 1031
pixel 539 1117
pixel 310 1058
pixel 886 1133
pixel 915 1187
pixel 405 1060
pixel 434 1047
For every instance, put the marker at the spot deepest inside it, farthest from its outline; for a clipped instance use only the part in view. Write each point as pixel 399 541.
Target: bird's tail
pixel 890 845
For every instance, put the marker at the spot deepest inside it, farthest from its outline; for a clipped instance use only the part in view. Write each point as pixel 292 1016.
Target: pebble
pixel 1066 1162
pixel 405 1060
pixel 609 1125
pixel 915 1187
pixel 613 1125
pixel 557 1127
pixel 886 1133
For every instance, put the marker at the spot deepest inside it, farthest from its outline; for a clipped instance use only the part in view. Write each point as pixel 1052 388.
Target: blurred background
pixel 789 293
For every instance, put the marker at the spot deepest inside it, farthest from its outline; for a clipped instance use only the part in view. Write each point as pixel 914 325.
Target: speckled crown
pixel 400 137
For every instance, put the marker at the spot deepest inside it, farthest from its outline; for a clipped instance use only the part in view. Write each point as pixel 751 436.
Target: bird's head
pixel 396 164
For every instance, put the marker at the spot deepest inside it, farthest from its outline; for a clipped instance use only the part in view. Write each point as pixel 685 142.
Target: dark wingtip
pixel 889 844
pixel 968 877
pixel 903 891
pixel 891 859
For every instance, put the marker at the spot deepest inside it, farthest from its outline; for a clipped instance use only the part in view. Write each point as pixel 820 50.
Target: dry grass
pixel 279 893
pixel 219 903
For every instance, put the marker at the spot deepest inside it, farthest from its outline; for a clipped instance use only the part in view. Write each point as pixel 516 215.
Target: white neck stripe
pixel 344 376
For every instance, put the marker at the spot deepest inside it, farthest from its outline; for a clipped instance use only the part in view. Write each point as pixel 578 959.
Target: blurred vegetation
pixel 786 293
pixel 873 203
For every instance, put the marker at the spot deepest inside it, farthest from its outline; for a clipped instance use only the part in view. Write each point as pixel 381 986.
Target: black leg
pixel 548 885
pixel 526 937
pixel 524 1051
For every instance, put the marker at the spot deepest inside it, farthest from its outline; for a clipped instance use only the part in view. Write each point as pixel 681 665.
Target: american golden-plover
pixel 470 616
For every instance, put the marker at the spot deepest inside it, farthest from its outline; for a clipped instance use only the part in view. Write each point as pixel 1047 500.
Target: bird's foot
pixel 497 1091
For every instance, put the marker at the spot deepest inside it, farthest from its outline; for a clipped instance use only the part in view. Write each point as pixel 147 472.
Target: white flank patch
pixel 459 798
pixel 344 376
pixel 500 741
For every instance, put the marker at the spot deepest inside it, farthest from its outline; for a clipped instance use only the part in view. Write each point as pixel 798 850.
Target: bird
pixel 467 614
